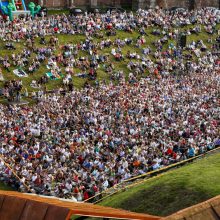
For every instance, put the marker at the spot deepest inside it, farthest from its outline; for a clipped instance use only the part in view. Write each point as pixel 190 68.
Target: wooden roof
pixel 30 206
pixel 16 206
pixel 208 210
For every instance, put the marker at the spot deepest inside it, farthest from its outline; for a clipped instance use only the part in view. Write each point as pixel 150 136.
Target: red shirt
pixel 85 195
pixel 169 151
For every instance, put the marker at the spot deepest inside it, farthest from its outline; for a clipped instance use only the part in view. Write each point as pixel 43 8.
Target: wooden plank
pixel 82 209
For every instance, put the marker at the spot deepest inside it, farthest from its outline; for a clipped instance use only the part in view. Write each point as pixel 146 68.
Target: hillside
pixel 4 187
pixel 174 190
pixel 102 75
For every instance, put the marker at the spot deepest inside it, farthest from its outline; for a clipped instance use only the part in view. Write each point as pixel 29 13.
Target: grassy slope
pixel 174 190
pixel 4 187
pixel 58 11
pixel 78 82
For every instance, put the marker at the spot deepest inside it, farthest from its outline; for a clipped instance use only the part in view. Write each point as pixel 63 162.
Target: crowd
pixel 89 24
pixel 76 144
pixel 166 26
pixel 86 141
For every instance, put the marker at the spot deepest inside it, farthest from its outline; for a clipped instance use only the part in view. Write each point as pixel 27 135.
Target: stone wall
pixel 209 3
pixel 80 3
pixel 173 3
pixel 135 4
pixel 56 3
pixel 126 3
pixel 190 4
pixel 53 3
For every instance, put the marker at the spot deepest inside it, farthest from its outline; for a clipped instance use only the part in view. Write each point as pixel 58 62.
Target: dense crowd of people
pixel 166 26
pixel 79 143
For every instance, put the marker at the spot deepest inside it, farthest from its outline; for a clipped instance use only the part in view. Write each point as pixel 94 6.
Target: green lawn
pixel 174 190
pixel 79 82
pixel 4 187
pixel 58 11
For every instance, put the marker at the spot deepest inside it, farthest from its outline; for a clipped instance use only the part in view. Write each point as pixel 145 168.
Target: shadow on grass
pixel 164 199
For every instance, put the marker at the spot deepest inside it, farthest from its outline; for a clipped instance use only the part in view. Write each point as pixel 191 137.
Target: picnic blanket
pixel 1 77
pixel 197 52
pixel 52 77
pixel 35 85
pixel 82 75
pixel 20 73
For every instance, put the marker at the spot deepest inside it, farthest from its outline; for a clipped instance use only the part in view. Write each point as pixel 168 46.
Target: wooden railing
pixel 124 184
pixel 130 182
pixel 28 206
pixel 14 173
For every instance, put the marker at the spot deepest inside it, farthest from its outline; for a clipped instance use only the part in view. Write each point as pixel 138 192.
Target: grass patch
pixel 4 187
pixel 173 191
pixel 79 82
pixel 58 11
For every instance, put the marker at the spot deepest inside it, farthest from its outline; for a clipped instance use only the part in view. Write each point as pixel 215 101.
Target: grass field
pixel 4 187
pixel 58 12
pixel 174 190
pixel 102 75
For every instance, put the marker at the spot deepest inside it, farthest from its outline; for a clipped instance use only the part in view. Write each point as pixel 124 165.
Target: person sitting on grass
pixel 191 152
